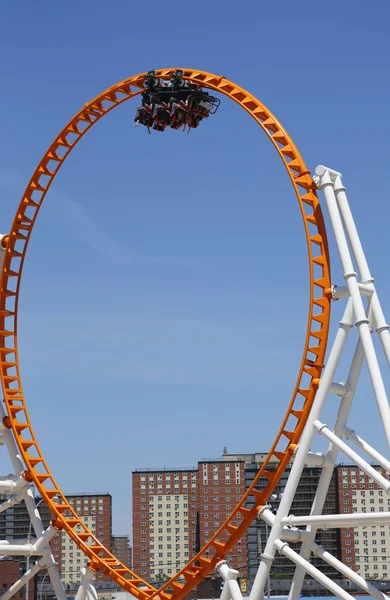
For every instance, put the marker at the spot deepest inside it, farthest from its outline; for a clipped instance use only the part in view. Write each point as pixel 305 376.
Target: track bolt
pixel 4 240
pixel 6 422
pixel 27 476
pixel 57 524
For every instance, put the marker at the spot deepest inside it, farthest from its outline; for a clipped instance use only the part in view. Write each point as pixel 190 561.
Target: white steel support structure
pixel 20 490
pixel 363 312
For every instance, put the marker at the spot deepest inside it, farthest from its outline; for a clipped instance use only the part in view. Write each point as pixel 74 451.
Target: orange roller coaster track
pixel 309 373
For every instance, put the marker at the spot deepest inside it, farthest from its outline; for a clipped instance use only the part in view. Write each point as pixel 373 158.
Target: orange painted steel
pixel 309 373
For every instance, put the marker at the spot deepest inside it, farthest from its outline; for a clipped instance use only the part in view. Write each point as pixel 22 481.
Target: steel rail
pixel 17 418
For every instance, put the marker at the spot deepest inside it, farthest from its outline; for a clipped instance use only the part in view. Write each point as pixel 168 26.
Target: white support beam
pixel 350 435
pixel 333 587
pixel 13 485
pixel 342 291
pixel 291 535
pixel 47 561
pixel 11 502
pixel 350 276
pixel 332 454
pixel 359 293
pixel 86 590
pixel 362 464
pixel 39 548
pixel 339 389
pixel 345 325
pixel 229 576
pixel 339 521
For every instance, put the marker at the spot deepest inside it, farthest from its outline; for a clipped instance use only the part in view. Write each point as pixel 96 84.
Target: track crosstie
pixel 16 244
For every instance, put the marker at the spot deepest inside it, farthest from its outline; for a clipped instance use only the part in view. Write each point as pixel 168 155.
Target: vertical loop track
pixel 309 373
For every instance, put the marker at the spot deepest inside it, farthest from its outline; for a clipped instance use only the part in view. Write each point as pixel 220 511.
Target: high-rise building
pixel 176 512
pixel 120 547
pixel 221 484
pixel 364 549
pixel 94 509
pixel 164 520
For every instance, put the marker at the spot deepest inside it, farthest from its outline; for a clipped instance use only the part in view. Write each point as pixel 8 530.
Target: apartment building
pixel 177 511
pixel 94 509
pixel 164 520
pixel 120 547
pixel 365 549
pixel 221 485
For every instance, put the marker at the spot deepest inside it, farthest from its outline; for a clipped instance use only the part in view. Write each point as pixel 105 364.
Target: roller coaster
pixel 175 98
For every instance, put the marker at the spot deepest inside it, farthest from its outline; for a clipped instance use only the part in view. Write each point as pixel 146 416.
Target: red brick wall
pixel 9 573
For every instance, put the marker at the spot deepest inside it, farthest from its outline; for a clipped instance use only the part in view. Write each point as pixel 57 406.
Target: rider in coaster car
pixel 178 114
pixel 161 116
pixel 144 116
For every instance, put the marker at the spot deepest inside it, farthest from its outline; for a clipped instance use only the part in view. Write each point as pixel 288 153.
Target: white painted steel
pixel 328 179
pixel 285 549
pixel 342 291
pixel 230 578
pixel 339 521
pixel 360 316
pixel 86 590
pixel 321 170
pixel 257 592
pixel 315 459
pixel 339 389
pixel 327 557
pixel 27 494
pixel 348 573
pixel 289 534
pixel 10 486
pixel 351 435
pixel 351 231
pixel 20 542
pixel 358 460
pixel 11 502
pixel 346 214
pixel 332 453
pixel 382 328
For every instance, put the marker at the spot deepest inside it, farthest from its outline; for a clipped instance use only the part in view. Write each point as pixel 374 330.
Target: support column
pixel 327 471
pixel 361 320
pixel 257 592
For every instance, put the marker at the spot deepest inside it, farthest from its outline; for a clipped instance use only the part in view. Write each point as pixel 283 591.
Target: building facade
pixel 365 549
pixel 120 547
pixel 177 511
pixel 221 485
pixel 164 520
pixel 94 509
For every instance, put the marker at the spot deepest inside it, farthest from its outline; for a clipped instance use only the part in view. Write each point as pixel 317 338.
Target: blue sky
pixel 164 298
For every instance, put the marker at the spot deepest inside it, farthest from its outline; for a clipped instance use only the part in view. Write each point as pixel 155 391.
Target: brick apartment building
pixel 94 509
pixel 164 520
pixel 364 549
pixel 120 547
pixel 96 512
pixel 176 511
pixel 221 484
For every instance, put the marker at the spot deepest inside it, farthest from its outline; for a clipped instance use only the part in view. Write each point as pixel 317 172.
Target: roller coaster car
pixel 176 103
